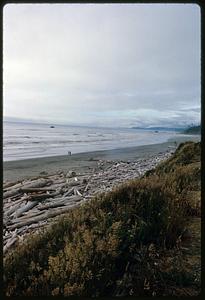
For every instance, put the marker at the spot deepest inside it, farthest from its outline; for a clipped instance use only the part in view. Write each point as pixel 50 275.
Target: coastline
pixel 83 162
pixel 43 203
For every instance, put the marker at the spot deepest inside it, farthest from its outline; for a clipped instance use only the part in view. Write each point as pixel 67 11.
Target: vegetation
pixel 126 242
pixel 193 130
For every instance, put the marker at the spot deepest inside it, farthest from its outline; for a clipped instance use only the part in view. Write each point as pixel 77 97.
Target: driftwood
pixel 74 183
pixel 76 192
pixel 40 196
pixel 13 208
pixel 33 204
pixel 69 192
pixel 30 190
pixel 61 202
pixel 87 187
pixel 26 217
pixel 21 210
pixel 45 216
pixel 8 184
pixel 36 183
pixel 12 202
pixel 36 225
pixel 9 243
pixel 12 185
pixel 60 181
pixel 59 186
pixel 11 193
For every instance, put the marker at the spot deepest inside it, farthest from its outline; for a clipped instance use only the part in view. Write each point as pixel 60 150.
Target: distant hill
pixel 160 128
pixel 193 130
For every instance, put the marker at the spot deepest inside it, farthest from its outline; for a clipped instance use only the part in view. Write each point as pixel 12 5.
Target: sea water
pixel 31 140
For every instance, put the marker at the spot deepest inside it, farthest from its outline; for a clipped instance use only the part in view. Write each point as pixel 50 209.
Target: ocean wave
pixel 32 141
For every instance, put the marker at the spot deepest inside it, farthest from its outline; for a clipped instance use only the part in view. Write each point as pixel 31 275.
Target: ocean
pixel 31 140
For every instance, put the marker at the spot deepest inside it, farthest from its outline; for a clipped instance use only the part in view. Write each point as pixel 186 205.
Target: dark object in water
pixel 156 131
pixel 69 153
pixel 52 126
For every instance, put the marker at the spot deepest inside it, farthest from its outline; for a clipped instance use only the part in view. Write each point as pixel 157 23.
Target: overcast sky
pixel 102 64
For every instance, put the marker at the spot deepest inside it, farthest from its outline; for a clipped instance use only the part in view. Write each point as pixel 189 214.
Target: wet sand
pixel 83 162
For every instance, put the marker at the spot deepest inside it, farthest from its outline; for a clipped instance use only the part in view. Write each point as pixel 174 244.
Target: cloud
pixel 96 63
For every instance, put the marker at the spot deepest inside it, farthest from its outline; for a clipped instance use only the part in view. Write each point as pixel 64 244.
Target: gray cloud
pixel 110 64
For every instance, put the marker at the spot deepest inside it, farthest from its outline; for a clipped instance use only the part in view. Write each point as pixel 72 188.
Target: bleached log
pixel 45 216
pixel 87 187
pixel 12 209
pixel 15 201
pixel 31 212
pixel 37 183
pixel 29 205
pixel 7 184
pixel 5 221
pixel 52 205
pixel 36 225
pixel 26 217
pixel 9 243
pixel 40 196
pixel 43 189
pixel 61 202
pixel 4 242
pixel 58 204
pixel 69 192
pixel 59 186
pixel 12 185
pixel 47 176
pixel 11 193
pixel 76 192
pixel 7 237
pixel 59 181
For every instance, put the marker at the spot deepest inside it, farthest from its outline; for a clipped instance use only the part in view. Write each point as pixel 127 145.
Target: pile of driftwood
pixel 32 204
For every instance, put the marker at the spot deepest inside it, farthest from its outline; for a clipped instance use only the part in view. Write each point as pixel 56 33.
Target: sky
pixel 115 65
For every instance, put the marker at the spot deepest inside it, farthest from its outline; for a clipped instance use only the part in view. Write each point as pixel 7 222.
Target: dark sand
pixel 82 162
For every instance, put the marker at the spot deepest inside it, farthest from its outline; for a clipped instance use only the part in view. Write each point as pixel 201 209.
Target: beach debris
pixel 71 174
pixel 28 206
pixel 33 204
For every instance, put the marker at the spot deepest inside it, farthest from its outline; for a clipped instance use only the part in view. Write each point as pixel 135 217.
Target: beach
pixel 83 162
pixel 53 186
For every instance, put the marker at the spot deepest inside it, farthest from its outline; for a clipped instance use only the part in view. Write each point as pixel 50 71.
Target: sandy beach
pixel 83 162
pixel 38 190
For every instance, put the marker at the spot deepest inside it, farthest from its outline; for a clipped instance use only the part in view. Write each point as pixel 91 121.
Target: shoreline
pixel 79 162
pixel 83 162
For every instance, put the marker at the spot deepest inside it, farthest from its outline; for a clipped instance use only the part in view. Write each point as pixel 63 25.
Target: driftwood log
pixel 28 206
pixel 48 214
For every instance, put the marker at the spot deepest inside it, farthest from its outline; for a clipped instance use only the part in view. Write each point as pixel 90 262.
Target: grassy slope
pixel 127 242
